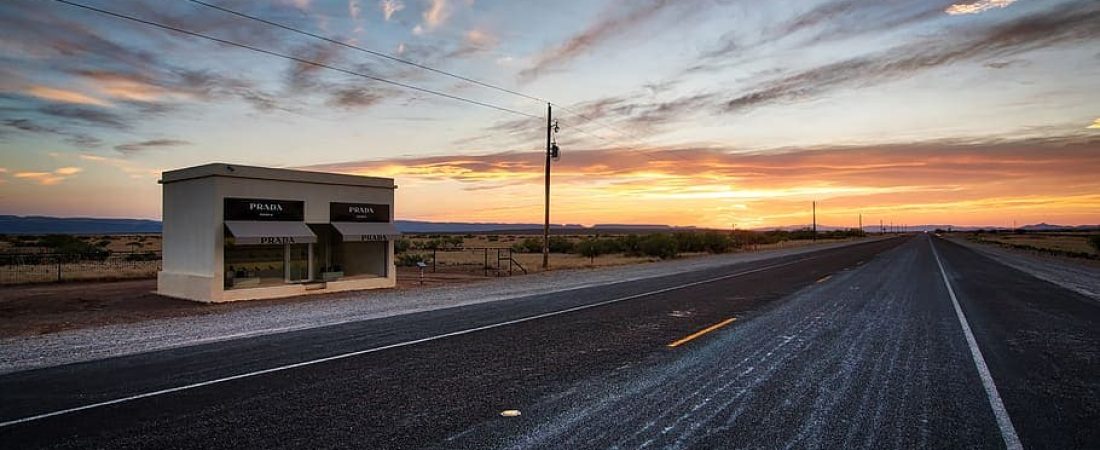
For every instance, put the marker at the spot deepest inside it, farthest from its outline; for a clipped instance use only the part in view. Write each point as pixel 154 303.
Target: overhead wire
pixel 297 59
pixel 370 52
pixel 570 110
pixel 398 59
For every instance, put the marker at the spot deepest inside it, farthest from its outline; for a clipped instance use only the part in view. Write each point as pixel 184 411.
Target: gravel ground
pixel 29 352
pixel 1073 275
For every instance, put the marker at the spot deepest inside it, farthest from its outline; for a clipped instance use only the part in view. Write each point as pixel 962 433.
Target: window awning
pixel 247 232
pixel 367 231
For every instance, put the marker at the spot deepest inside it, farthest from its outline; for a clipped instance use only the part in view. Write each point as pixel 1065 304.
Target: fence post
pixel 433 260
pixel 58 258
pixel 485 267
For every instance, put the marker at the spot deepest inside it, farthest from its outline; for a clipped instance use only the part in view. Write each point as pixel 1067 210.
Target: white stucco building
pixel 235 232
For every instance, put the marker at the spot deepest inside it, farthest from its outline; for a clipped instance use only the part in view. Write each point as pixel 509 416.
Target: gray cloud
pixel 134 148
pixel 633 15
pixel 1041 30
pixel 86 115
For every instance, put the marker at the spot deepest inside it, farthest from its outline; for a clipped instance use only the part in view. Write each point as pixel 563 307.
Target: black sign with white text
pixel 263 209
pixel 358 212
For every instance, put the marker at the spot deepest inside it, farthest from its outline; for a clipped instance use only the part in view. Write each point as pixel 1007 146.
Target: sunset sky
pixel 681 112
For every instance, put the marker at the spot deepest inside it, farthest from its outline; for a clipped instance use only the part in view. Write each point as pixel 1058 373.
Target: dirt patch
pixel 48 308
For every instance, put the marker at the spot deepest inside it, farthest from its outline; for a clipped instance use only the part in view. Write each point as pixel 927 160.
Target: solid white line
pixel 1008 432
pixel 387 347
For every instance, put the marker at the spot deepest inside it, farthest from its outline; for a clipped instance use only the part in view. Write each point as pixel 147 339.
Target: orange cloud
pixel 977 7
pixel 49 178
pixel 129 87
pixel 935 182
pixel 390 7
pixel 436 14
pixel 64 96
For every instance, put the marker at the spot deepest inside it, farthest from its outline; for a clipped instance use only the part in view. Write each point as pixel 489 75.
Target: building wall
pixel 194 238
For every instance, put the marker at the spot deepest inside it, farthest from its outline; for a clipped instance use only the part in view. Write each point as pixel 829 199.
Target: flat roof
pixel 267 173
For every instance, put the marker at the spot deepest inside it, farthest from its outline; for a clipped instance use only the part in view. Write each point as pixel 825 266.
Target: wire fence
pixel 488 261
pixel 22 268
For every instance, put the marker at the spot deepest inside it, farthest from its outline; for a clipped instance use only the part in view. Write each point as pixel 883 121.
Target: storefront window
pixel 254 265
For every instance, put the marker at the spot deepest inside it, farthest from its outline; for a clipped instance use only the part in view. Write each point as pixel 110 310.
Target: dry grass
pixel 474 260
pixel 1071 243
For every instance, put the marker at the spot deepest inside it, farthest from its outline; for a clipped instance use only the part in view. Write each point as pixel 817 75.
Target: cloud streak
pixel 1067 24
pixel 614 25
pixel 135 148
pixel 49 178
pixel 977 7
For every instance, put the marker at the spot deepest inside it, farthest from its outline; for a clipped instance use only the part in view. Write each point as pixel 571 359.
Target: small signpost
pixel 421 265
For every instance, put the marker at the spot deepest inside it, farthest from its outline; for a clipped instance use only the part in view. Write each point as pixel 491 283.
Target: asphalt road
pixel 860 346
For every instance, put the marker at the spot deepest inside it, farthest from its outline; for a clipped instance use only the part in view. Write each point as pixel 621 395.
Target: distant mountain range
pixel 77 225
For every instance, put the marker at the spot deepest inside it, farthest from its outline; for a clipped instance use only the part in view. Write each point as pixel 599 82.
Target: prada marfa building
pixel 236 232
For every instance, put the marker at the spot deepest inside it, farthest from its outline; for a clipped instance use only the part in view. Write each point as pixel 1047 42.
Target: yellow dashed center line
pixel 706 330
pixel 826 277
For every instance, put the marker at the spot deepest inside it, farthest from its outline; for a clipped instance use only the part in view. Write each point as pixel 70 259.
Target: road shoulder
pixel 29 352
pixel 1081 278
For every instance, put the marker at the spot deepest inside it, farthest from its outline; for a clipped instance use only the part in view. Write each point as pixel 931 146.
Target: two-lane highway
pixel 859 346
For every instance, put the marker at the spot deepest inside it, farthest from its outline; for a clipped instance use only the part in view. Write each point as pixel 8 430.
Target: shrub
pixel 1094 241
pixel 715 242
pixel 589 248
pixel 658 245
pixel 402 245
pixel 629 245
pixel 559 244
pixel 528 245
pixel 147 256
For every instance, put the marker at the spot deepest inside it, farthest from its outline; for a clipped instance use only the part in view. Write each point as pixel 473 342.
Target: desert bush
pixel 658 245
pixel 1094 241
pixel 146 256
pixel 402 245
pixel 560 244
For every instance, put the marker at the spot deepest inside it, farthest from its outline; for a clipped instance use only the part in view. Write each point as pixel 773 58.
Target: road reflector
pixel 510 413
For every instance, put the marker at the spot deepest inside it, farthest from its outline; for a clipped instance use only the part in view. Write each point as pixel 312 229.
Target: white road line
pixel 387 347
pixel 1008 432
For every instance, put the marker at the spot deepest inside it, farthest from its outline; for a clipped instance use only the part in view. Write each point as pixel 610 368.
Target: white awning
pixel 247 232
pixel 367 231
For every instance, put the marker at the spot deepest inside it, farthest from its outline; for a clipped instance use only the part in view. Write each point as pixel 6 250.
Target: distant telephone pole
pixel 815 221
pixel 861 224
pixel 546 223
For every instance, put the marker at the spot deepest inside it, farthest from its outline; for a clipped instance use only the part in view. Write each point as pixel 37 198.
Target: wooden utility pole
pixel 815 222
pixel 546 223
pixel 861 224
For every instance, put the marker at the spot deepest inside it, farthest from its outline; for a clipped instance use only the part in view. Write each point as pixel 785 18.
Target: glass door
pixel 298 262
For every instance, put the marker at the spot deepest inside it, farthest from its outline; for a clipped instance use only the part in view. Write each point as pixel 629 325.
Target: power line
pixel 371 52
pixel 412 63
pixel 570 110
pixel 297 59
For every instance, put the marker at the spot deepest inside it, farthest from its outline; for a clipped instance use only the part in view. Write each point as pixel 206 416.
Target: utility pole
pixel 552 154
pixel 861 224
pixel 815 222
pixel 881 227
pixel 546 224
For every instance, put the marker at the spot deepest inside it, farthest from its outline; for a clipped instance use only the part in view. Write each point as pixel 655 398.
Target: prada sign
pixel 261 209
pixel 358 212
